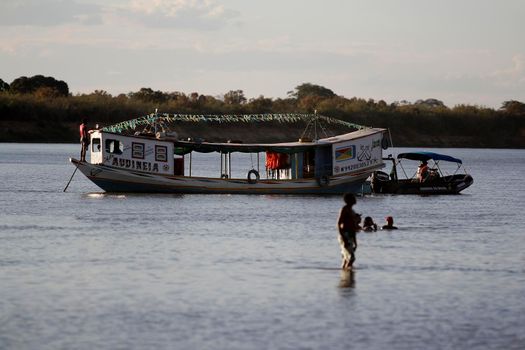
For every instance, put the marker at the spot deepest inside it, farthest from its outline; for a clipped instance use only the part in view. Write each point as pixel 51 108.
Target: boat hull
pixel 112 179
pixel 452 184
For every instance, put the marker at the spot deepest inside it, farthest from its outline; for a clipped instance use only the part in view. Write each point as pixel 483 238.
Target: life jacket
pixel 276 160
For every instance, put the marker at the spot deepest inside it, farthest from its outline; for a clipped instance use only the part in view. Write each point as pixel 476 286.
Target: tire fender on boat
pixel 251 179
pixel 323 181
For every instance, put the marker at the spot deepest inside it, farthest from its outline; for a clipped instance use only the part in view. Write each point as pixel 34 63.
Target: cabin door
pixel 323 161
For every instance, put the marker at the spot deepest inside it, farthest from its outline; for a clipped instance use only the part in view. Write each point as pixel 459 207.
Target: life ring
pixel 252 180
pixel 323 181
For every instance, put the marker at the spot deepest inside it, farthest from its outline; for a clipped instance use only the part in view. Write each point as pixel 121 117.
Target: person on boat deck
pixel 422 171
pixel 348 226
pixel 84 140
pixel 369 225
pixel 389 224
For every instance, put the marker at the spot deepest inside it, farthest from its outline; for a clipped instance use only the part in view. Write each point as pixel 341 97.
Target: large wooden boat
pixel 156 160
pixel 435 182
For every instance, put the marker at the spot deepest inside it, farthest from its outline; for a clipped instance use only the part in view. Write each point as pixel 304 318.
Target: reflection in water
pixel 94 195
pixel 121 195
pixel 102 195
pixel 347 279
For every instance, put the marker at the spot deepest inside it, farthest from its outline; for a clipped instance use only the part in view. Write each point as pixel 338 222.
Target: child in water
pixel 389 224
pixel 348 226
pixel 369 225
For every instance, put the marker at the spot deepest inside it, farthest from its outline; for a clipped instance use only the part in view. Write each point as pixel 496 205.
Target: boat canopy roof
pixel 163 122
pixel 184 147
pixel 424 156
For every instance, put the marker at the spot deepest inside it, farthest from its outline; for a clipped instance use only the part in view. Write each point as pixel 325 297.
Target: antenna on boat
pixel 315 125
pixel 155 122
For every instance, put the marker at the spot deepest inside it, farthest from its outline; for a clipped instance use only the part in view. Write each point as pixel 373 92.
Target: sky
pixel 458 51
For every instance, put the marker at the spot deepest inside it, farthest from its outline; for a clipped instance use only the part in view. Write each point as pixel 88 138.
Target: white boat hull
pixel 113 179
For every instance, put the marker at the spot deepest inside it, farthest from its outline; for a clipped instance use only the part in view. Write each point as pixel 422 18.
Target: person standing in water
pixel 348 226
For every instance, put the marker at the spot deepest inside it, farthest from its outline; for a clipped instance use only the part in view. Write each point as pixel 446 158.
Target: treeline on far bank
pixel 37 111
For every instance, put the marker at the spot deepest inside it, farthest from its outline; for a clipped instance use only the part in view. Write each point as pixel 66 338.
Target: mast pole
pixel 315 124
pixel 190 163
pixel 229 165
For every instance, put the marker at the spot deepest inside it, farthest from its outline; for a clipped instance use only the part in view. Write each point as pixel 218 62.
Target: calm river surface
pixel 88 270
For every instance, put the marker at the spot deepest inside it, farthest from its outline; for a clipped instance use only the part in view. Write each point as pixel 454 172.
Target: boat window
pixel 114 146
pixel 161 153
pixel 95 145
pixel 137 150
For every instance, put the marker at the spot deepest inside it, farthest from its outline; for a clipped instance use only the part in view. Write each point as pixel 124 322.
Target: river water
pixel 88 270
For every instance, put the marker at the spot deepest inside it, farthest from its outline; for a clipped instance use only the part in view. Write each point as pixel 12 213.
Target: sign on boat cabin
pixel 132 153
pixel 358 154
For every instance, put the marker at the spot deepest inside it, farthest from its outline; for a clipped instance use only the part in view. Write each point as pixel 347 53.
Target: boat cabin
pixel 135 153
pixel 304 159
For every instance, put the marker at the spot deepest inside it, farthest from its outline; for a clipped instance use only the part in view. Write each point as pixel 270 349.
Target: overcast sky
pixel 458 51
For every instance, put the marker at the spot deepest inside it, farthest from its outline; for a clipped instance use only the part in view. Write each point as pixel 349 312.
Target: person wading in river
pixel 348 226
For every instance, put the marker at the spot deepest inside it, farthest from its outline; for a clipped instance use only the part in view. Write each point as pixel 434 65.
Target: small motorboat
pixel 434 181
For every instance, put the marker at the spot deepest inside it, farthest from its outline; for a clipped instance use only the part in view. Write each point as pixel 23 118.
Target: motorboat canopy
pixel 425 156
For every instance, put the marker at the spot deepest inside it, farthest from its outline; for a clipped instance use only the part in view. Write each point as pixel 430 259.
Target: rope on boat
pixel 159 118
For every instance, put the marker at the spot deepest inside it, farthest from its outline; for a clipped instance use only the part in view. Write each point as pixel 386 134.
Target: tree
pixel 513 107
pixel 431 103
pixel 148 95
pixel 3 86
pixel 101 93
pixel 234 97
pixel 260 104
pixel 308 89
pixel 309 103
pixel 194 97
pixel 46 92
pixel 382 105
pixel 25 85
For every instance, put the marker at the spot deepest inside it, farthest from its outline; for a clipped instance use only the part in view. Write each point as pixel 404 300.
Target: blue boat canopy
pixel 421 156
